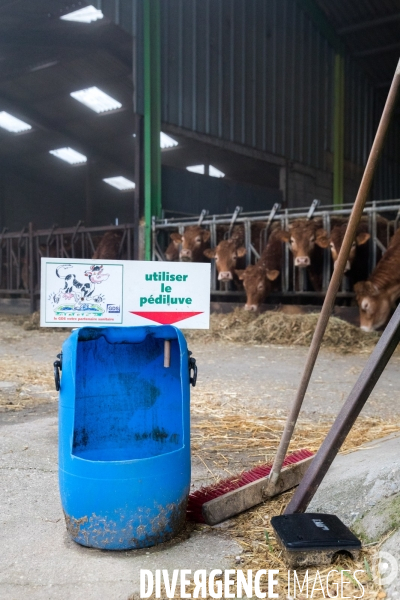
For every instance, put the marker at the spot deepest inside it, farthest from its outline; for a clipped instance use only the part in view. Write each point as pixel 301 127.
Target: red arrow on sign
pixel 165 318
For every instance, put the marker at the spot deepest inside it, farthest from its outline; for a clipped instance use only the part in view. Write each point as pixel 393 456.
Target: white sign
pixel 79 292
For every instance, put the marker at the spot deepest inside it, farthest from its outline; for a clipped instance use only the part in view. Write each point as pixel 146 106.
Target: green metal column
pixel 152 116
pixel 338 131
pixel 321 21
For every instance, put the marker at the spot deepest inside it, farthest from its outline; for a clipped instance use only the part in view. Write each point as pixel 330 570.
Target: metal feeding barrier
pixel 222 225
pixel 20 253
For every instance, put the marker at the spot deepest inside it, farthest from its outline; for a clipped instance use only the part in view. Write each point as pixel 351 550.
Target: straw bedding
pixel 218 439
pixel 279 328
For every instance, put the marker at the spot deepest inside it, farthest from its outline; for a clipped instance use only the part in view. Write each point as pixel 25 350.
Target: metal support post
pixel 338 131
pixel 152 117
pixel 31 266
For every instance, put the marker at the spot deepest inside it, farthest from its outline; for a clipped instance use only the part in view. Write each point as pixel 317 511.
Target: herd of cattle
pixel 376 294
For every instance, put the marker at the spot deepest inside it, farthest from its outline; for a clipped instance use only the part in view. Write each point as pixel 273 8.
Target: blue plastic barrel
pixel 124 436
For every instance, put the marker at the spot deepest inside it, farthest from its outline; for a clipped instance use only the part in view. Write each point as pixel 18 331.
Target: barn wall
pixel 185 192
pixel 260 74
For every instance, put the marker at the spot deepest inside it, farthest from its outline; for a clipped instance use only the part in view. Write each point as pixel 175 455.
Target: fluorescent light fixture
pixel 213 172
pixel 121 183
pixel 96 99
pixel 166 141
pixel 87 14
pixel 196 169
pixel 69 155
pixel 12 124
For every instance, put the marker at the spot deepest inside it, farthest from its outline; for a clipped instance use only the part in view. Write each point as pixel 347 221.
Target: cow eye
pixel 312 239
pixel 198 240
pixel 332 245
pixel 292 240
pixel 260 286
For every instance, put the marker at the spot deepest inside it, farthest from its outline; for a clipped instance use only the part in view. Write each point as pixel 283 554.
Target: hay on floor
pixel 286 330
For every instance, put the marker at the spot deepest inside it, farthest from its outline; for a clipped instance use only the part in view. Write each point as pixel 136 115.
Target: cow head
pixel 257 284
pixel 96 275
pixel 374 304
pixel 226 256
pixel 194 241
pixel 336 241
pixel 302 237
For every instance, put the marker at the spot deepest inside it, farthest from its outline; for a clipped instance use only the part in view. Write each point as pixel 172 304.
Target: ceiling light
pixel 121 183
pixel 87 14
pixel 196 169
pixel 12 124
pixel 166 141
pixel 96 99
pixel 213 172
pixel 70 156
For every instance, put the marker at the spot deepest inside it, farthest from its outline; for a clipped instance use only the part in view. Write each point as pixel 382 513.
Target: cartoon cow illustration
pixel 80 292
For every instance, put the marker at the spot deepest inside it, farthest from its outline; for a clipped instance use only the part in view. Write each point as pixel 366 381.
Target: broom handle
pixel 337 275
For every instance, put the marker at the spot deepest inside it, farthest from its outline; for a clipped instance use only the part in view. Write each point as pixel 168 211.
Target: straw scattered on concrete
pixel 279 328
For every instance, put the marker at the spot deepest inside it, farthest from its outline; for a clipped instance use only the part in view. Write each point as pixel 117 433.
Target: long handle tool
pixel 336 279
pixel 226 499
pixel 347 416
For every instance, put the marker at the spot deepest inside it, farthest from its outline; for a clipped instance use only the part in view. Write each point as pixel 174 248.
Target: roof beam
pixel 321 21
pixel 368 24
pixel 55 39
pixel 379 50
pixel 40 122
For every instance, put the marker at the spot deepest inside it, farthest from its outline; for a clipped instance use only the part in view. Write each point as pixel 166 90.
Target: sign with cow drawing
pixel 77 292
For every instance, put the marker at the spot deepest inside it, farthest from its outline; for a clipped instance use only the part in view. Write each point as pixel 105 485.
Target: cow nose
pixel 302 261
pixel 185 254
pixel 252 307
pixel 225 276
pixel 366 328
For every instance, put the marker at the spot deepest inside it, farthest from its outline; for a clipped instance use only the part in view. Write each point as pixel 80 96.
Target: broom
pixel 252 485
pixel 232 496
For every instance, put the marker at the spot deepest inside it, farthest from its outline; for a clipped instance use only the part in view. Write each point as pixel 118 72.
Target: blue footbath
pixel 124 436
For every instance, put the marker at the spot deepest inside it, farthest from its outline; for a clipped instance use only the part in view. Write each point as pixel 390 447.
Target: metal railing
pixel 162 228
pixel 20 253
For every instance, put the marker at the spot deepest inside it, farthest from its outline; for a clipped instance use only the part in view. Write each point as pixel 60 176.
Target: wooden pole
pixel 337 275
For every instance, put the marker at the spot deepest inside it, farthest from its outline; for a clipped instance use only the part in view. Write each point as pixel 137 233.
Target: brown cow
pixel 228 254
pixel 358 261
pixel 258 279
pixel 377 296
pixel 194 241
pixel 307 239
pixel 109 246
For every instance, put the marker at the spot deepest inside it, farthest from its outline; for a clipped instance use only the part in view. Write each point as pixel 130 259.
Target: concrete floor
pixel 40 562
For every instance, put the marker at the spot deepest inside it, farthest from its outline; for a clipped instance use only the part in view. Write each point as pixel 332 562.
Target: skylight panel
pixel 87 14
pixel 121 183
pixel 214 172
pixel 13 124
pixel 70 156
pixel 166 141
pixel 196 169
pixel 97 100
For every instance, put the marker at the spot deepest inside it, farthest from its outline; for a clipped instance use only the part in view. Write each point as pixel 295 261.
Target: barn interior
pixel 115 114
pixel 263 101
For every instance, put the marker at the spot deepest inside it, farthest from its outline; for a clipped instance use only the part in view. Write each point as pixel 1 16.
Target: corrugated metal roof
pixel 371 32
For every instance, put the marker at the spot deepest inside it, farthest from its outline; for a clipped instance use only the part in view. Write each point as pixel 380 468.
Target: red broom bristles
pixel 207 493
